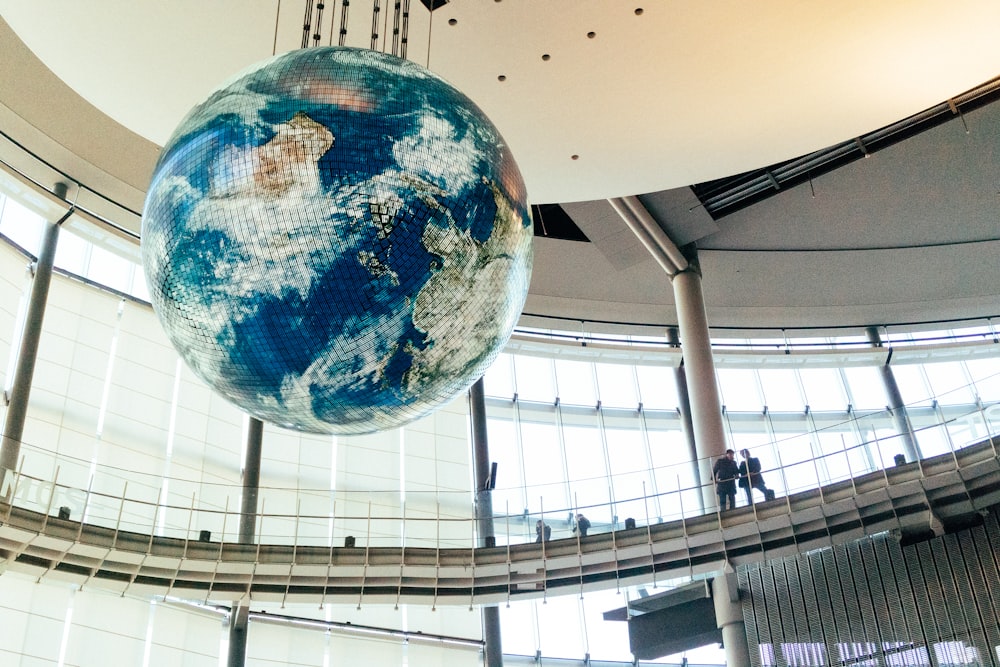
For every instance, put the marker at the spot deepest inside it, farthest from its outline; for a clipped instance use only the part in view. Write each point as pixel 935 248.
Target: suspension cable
pixel 344 9
pixel 376 8
pixel 307 23
pixel 319 22
pixel 406 28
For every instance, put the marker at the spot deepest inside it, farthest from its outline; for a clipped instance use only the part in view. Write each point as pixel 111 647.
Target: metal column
pixel 681 264
pixel 240 614
pixel 251 480
pixel 238 621
pixel 17 410
pixel 680 379
pixel 706 412
pixel 484 515
pixel 896 406
pixel 729 619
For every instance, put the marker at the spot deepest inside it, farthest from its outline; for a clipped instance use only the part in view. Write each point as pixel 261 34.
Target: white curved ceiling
pixel 664 94
pixel 676 94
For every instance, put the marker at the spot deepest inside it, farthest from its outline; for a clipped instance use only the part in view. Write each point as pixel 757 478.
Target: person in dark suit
pixel 582 524
pixel 542 531
pixel 751 477
pixel 725 473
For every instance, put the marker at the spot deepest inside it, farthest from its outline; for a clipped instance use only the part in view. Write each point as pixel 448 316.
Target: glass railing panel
pixel 885 447
pixel 932 439
pixel 833 446
pixel 315 524
pixel 991 417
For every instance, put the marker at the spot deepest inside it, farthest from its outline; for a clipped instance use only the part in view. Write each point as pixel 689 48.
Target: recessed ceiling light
pixel 546 56
pixel 638 11
pixel 502 77
pixel 591 35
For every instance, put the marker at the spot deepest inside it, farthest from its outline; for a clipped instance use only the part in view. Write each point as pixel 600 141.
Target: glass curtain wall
pixel 611 444
pixel 114 411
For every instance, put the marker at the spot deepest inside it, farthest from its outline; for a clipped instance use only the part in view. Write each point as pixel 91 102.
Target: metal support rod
pixel 896 406
pixel 706 409
pixel 493 646
pixel 17 410
pixel 650 234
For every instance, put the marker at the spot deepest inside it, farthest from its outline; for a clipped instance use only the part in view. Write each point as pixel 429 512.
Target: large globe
pixel 337 241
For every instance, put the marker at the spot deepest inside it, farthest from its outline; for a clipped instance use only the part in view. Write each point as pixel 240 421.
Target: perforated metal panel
pixel 862 593
pixel 892 599
pixel 963 596
pixel 872 602
pixel 757 633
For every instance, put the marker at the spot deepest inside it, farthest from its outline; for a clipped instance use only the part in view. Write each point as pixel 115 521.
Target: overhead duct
pixel 680 619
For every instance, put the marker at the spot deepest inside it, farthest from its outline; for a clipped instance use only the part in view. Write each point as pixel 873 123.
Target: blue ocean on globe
pixel 337 241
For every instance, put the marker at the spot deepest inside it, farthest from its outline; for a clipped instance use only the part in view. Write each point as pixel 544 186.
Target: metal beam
pixel 650 234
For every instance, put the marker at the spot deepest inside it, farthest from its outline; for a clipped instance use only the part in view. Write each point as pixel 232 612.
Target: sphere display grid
pixel 337 241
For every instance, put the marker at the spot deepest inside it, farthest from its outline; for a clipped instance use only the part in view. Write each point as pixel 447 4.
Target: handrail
pixel 913 502
pixel 433 519
pixel 33 183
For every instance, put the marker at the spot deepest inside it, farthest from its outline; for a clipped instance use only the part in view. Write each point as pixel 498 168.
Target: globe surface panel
pixel 337 241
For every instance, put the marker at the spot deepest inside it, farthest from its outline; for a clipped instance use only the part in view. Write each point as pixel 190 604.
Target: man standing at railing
pixel 543 531
pixel 725 473
pixel 751 477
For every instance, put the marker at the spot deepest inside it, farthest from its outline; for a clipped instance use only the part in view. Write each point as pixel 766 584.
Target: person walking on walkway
pixel 725 473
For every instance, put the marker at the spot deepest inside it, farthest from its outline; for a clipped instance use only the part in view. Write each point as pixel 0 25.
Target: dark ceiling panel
pixel 551 221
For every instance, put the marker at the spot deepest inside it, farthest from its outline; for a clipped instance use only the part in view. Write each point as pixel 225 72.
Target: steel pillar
pixel 729 619
pixel 680 379
pixel 484 516
pixel 238 621
pixel 239 615
pixel 24 371
pixel 896 406
pixel 251 480
pixel 703 392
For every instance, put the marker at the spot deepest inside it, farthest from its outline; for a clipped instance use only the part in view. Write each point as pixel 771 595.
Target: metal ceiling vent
pixel 727 195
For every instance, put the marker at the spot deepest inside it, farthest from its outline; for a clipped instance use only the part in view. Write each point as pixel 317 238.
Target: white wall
pixel 113 409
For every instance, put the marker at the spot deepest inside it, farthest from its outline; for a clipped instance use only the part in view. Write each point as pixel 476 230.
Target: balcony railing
pixel 132 502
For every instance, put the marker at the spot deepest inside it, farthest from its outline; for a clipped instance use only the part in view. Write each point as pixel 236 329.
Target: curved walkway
pixel 916 500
